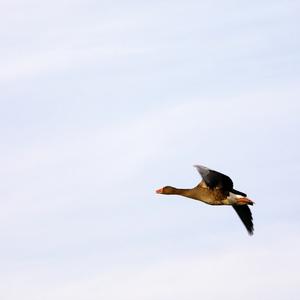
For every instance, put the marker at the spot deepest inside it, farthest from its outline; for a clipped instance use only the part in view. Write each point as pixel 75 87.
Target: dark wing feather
pixel 239 193
pixel 245 215
pixel 215 179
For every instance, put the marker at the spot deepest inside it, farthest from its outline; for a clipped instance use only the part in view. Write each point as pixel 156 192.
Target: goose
pixel 216 188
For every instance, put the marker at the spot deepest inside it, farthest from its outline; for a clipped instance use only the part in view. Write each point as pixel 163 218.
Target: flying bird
pixel 216 189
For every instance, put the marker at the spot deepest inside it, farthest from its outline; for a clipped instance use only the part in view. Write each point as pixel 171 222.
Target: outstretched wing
pixel 245 215
pixel 214 179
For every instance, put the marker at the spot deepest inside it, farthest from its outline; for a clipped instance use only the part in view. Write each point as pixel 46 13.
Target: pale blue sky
pixel 102 102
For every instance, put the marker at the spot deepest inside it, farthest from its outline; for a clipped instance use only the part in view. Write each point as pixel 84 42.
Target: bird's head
pixel 168 190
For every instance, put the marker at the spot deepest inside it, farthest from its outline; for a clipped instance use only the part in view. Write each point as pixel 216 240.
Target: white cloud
pixel 62 59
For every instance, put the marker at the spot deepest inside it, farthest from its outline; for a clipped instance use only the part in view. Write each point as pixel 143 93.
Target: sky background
pixel 103 102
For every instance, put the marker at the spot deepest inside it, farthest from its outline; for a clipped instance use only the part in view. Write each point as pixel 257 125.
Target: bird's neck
pixel 182 192
pixel 196 194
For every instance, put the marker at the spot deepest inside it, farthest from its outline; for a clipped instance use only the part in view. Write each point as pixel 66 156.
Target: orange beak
pixel 159 191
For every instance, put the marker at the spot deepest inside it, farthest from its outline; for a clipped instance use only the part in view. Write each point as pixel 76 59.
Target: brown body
pixel 203 193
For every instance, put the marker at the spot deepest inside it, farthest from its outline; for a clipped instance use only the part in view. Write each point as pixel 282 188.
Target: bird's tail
pixel 244 200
